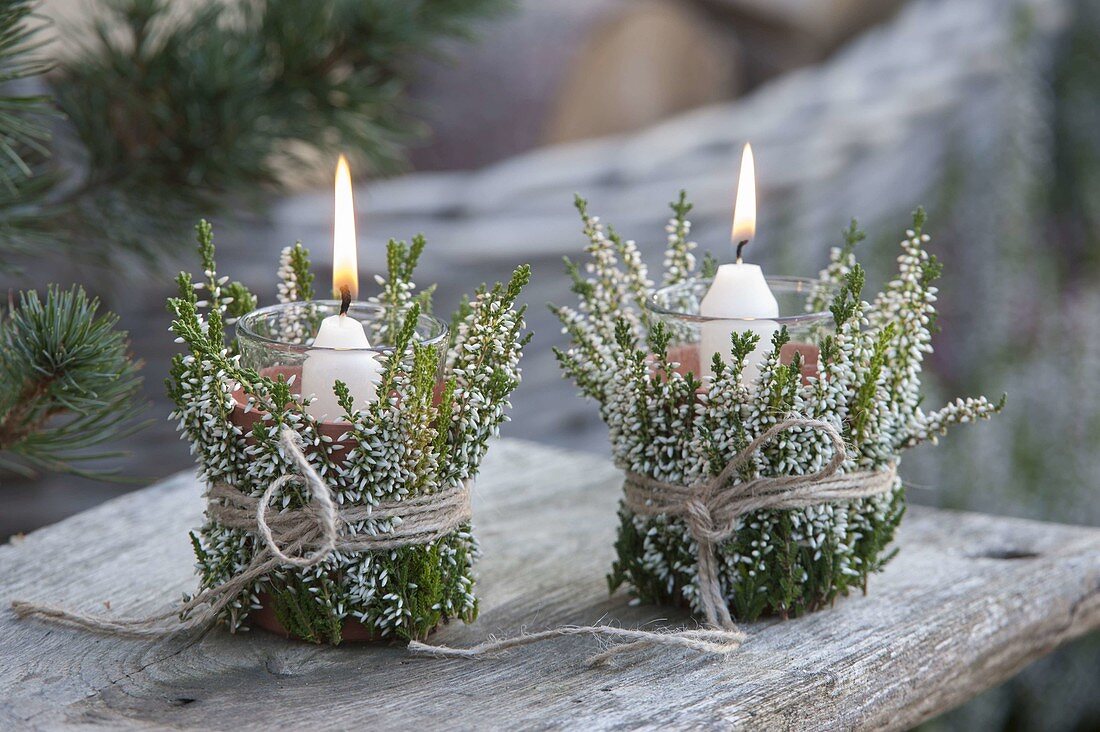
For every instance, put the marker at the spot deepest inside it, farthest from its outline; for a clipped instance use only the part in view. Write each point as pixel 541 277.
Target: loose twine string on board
pixel 711 511
pixel 315 527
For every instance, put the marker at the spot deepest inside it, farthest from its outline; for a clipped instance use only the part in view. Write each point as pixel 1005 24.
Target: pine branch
pixel 178 110
pixel 24 136
pixel 67 383
pixel 22 131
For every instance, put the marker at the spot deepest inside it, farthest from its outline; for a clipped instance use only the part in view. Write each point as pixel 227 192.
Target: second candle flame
pixel 744 207
pixel 345 266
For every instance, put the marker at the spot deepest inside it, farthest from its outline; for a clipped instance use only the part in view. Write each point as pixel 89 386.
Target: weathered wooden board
pixel 970 600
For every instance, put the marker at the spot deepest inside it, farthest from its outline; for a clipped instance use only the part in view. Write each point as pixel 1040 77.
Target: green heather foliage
pixel 67 383
pixel 675 427
pixel 406 444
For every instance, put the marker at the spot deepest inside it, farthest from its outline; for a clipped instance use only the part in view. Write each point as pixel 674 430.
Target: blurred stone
pixel 785 34
pixel 826 21
pixel 568 70
pixel 641 64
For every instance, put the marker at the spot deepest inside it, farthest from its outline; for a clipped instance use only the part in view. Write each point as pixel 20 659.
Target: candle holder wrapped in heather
pixel 770 490
pixel 352 521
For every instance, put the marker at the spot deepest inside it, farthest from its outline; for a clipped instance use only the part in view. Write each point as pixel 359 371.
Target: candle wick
pixel 345 299
pixel 740 246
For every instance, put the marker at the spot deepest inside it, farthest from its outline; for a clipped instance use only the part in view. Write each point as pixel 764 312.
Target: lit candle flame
pixel 345 268
pixel 744 207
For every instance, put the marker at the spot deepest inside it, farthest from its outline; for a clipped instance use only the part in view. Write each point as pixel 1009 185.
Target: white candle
pixel 337 352
pixel 739 290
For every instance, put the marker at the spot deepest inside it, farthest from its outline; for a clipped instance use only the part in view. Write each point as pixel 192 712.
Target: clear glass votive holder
pixel 677 306
pixel 275 340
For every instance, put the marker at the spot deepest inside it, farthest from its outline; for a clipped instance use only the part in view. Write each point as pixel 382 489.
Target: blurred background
pixel 475 121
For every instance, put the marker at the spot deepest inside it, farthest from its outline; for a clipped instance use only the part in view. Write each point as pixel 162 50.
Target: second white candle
pixel 739 291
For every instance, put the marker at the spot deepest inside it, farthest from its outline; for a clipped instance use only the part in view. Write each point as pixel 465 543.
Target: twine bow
pixel 711 509
pixel 317 527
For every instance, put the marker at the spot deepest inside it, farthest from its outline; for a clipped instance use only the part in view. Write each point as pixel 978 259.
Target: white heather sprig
pixel 483 361
pixel 908 302
pixel 295 280
pixel 679 261
pixel 842 260
pixel 930 427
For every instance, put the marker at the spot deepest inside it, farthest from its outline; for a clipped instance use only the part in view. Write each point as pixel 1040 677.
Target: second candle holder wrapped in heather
pixel 766 483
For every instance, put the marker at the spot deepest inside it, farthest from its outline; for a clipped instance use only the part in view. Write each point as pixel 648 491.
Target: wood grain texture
pixel 969 601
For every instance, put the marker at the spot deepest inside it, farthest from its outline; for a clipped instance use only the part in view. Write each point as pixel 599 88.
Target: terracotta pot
pixel 264 617
pixel 246 420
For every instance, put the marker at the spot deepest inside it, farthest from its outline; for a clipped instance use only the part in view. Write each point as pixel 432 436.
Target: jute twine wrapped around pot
pixel 315 528
pixel 711 511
